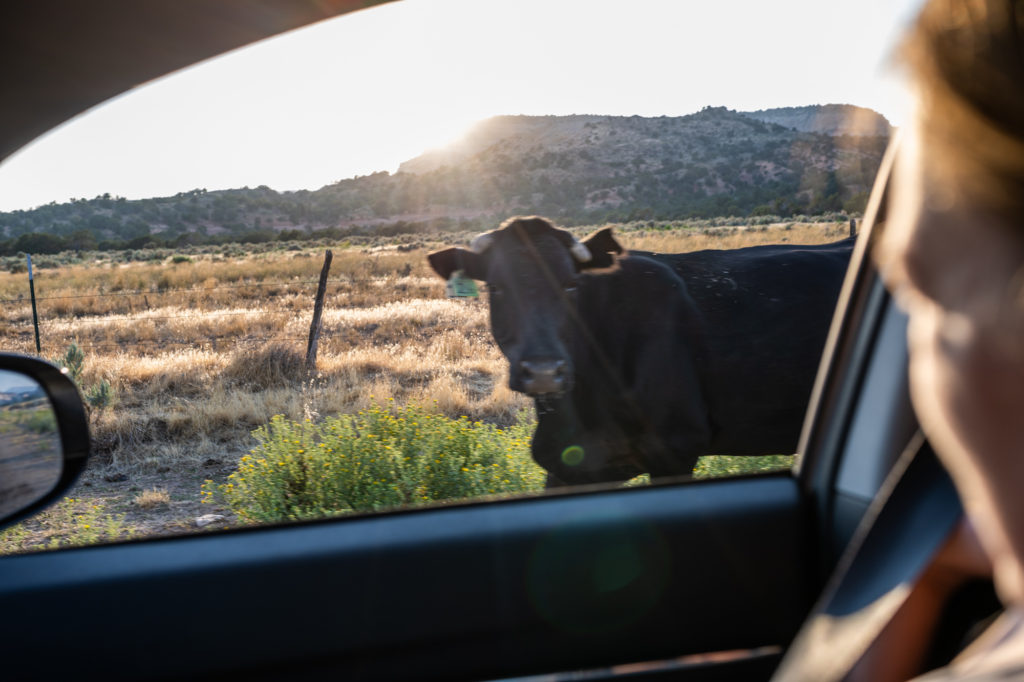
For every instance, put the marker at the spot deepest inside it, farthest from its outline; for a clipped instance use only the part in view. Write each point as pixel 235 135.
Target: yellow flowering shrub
pixel 375 459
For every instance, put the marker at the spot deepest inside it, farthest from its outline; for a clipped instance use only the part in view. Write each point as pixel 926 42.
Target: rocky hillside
pixel 830 119
pixel 576 169
pixel 591 168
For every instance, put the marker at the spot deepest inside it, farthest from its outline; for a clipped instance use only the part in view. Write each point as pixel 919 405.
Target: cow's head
pixel 532 273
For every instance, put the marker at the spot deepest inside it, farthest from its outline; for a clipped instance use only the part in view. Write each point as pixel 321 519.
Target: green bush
pixel 41 421
pixel 375 459
pixel 718 466
pixel 97 396
pixel 73 361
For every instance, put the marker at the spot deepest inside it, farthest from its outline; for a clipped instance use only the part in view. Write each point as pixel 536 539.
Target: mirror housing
pixel 72 427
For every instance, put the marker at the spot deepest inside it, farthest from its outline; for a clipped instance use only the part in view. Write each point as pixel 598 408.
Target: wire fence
pixel 190 316
pixel 58 343
pixel 200 290
pixel 165 344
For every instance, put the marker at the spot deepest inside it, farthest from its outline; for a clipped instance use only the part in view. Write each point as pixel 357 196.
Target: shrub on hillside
pixel 375 459
pixel 41 421
pixel 98 396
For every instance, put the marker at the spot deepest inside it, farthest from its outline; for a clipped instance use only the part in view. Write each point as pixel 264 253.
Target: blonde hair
pixel 967 58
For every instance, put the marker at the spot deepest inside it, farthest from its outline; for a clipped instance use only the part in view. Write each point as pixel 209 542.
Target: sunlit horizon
pixel 367 91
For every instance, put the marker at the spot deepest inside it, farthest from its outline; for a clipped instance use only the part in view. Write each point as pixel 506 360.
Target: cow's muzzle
pixel 541 377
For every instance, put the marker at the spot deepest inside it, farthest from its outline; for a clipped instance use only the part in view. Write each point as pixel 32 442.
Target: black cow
pixel 643 362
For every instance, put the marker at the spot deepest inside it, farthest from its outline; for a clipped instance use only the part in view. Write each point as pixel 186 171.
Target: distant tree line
pixel 49 244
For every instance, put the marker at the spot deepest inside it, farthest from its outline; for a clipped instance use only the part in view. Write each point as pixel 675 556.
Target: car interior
pixel 706 580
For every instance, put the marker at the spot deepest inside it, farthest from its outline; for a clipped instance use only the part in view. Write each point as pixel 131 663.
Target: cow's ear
pixel 603 248
pixel 447 261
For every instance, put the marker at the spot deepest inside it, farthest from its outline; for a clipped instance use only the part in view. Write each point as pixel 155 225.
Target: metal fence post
pixel 32 292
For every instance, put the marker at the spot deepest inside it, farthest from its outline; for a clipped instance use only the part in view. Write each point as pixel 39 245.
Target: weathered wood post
pixel 32 292
pixel 318 309
pixel 853 227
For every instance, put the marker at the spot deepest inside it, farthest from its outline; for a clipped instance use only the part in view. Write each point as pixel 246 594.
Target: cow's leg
pixel 668 459
pixel 678 438
pixel 553 481
pixel 557 428
pixel 574 450
pixel 676 423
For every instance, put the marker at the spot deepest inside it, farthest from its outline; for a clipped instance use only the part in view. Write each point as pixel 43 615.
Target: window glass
pixel 182 296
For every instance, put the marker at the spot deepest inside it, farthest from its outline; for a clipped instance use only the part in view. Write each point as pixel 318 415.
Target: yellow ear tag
pixel 460 286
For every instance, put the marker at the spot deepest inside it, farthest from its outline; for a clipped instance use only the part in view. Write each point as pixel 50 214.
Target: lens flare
pixel 599 573
pixel 573 455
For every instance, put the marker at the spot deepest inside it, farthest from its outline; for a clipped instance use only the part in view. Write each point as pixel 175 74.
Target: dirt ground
pixel 121 494
pixel 107 505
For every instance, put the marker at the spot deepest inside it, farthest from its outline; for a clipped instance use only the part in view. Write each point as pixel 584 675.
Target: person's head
pixel 953 252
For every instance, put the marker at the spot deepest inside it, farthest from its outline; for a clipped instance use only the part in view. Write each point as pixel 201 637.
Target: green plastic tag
pixel 460 286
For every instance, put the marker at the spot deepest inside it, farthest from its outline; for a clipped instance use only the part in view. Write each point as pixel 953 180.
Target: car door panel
pixel 473 591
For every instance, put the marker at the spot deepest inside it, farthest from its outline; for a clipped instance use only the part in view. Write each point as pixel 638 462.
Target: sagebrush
pixel 377 458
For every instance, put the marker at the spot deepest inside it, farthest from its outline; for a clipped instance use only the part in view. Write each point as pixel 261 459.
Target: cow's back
pixel 766 311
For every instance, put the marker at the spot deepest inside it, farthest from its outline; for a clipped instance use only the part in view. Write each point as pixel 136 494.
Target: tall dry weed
pixel 275 365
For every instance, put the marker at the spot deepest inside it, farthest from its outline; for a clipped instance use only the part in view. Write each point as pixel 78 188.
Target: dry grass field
pixel 202 349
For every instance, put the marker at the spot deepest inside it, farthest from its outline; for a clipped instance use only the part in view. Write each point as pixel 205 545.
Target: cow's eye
pixel 571 289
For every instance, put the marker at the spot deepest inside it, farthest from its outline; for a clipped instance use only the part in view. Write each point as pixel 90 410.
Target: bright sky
pixel 10 380
pixel 368 90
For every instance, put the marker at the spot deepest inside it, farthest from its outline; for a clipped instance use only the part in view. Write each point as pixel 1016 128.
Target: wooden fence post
pixel 318 309
pixel 853 227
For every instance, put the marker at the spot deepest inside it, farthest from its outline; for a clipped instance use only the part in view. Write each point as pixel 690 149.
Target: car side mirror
pixel 44 435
